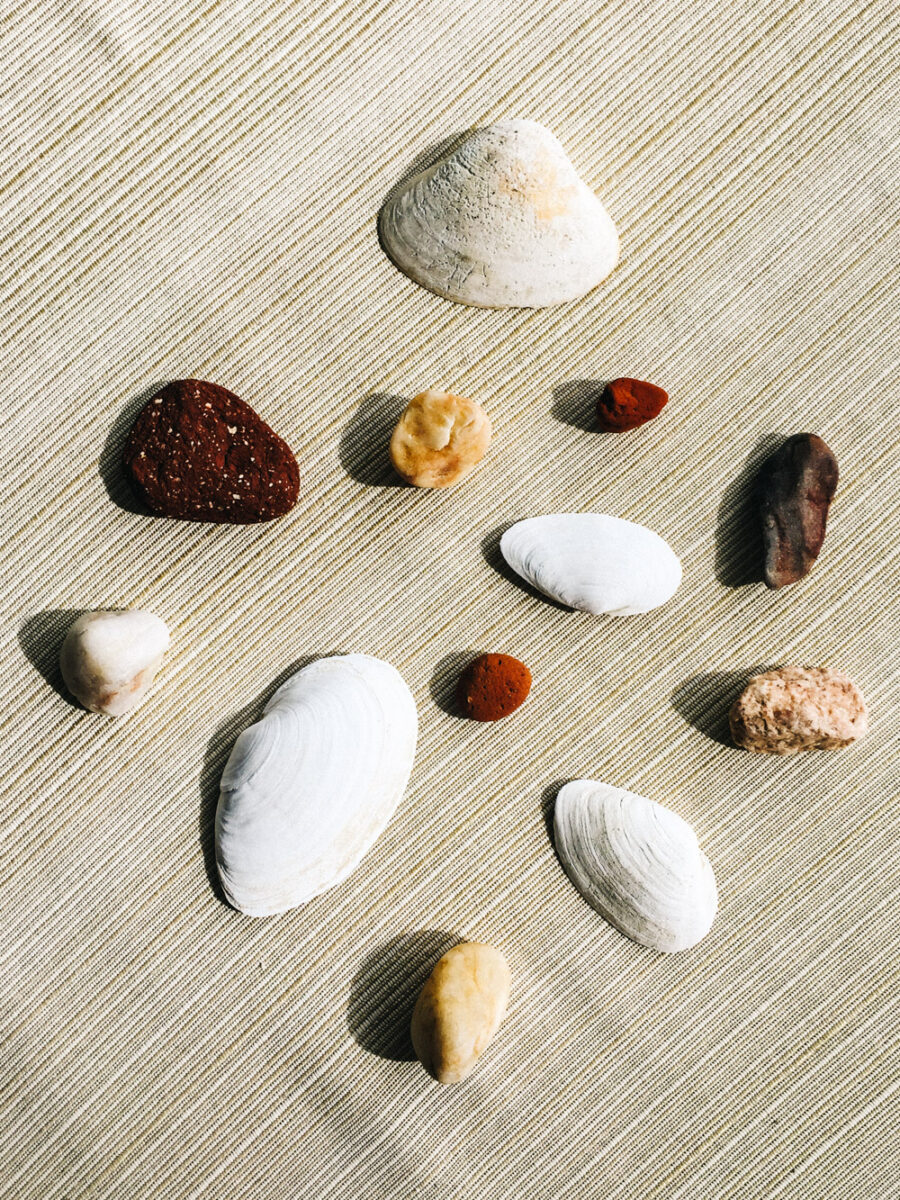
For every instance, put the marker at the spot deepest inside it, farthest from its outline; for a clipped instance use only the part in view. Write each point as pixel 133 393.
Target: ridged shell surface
pixel 637 863
pixel 593 562
pixel 502 221
pixel 308 789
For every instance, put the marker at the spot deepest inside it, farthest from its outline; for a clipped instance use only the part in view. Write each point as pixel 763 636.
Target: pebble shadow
pixel 739 545
pixel 218 749
pixel 445 678
pixel 490 552
pixel 575 403
pixel 704 700
pixel 364 446
pixel 385 989
pixel 110 465
pixel 41 637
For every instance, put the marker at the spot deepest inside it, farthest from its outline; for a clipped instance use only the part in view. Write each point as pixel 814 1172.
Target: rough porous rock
pixel 198 453
pixel 795 488
pixel 109 659
pixel 439 439
pixel 798 708
pixel 628 403
pixel 492 686
pixel 459 1010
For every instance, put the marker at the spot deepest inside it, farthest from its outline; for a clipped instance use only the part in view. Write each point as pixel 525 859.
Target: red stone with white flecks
pixel 198 453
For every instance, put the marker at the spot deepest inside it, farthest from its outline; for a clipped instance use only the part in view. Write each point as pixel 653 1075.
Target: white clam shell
pixel 593 562
pixel 309 787
pixel 637 863
pixel 109 659
pixel 502 221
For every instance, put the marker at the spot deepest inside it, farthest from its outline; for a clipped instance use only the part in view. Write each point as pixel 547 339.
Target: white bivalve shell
pixel 637 863
pixel 503 221
pixel 594 562
pixel 109 659
pixel 308 789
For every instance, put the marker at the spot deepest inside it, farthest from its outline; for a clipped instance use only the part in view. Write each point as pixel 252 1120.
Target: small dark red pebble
pixel 198 453
pixel 627 403
pixel 493 686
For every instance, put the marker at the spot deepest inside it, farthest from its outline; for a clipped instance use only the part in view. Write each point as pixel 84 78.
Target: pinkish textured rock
pixel 798 708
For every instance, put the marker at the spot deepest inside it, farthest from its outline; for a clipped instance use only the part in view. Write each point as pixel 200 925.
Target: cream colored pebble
pixel 109 659
pixel 798 708
pixel 459 1010
pixel 439 439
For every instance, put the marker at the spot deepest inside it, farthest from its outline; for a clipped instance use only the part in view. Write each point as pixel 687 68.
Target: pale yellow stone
pixel 439 439
pixel 459 1010
pixel 798 708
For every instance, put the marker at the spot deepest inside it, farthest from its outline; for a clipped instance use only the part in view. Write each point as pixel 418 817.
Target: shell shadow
pixel 575 403
pixel 739 544
pixel 704 700
pixel 365 440
pixel 41 637
pixel 548 805
pixel 445 678
pixel 110 465
pixel 218 748
pixel 492 555
pixel 386 986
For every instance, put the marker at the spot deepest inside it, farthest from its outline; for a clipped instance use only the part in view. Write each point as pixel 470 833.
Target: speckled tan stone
pixel 798 708
pixel 439 439
pixel 459 1010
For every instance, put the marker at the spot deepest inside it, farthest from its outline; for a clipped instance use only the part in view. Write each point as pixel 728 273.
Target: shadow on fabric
pixel 444 681
pixel 364 449
pixel 385 989
pixel 493 556
pixel 218 748
pixel 739 544
pixel 575 403
pixel 704 700
pixel 110 465
pixel 41 637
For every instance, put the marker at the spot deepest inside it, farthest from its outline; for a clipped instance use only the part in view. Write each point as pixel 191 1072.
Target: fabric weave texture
pixel 189 188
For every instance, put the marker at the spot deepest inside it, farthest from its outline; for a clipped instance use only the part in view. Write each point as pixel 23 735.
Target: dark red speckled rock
pixel 198 453
pixel 627 403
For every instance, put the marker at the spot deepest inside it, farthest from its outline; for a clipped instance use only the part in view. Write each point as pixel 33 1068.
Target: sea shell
pixel 593 562
pixel 109 659
pixel 309 788
pixel 502 221
pixel 637 863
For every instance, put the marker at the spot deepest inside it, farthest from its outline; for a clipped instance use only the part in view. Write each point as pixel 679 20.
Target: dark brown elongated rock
pixel 199 453
pixel 795 489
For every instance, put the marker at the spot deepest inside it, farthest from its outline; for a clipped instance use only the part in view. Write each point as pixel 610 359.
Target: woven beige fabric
pixel 191 189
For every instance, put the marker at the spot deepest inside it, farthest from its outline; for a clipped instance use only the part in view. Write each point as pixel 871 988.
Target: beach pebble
pixel 492 686
pixel 439 439
pixel 459 1010
pixel 628 403
pixel 109 659
pixel 798 708
pixel 198 453
pixel 795 488
pixel 593 562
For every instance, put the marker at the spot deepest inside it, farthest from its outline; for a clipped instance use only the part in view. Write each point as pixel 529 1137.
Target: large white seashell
pixel 502 221
pixel 109 659
pixel 637 863
pixel 309 787
pixel 593 562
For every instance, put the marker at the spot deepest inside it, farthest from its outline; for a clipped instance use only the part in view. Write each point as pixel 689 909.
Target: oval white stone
pixel 504 220
pixel 308 789
pixel 593 562
pixel 109 659
pixel 637 863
